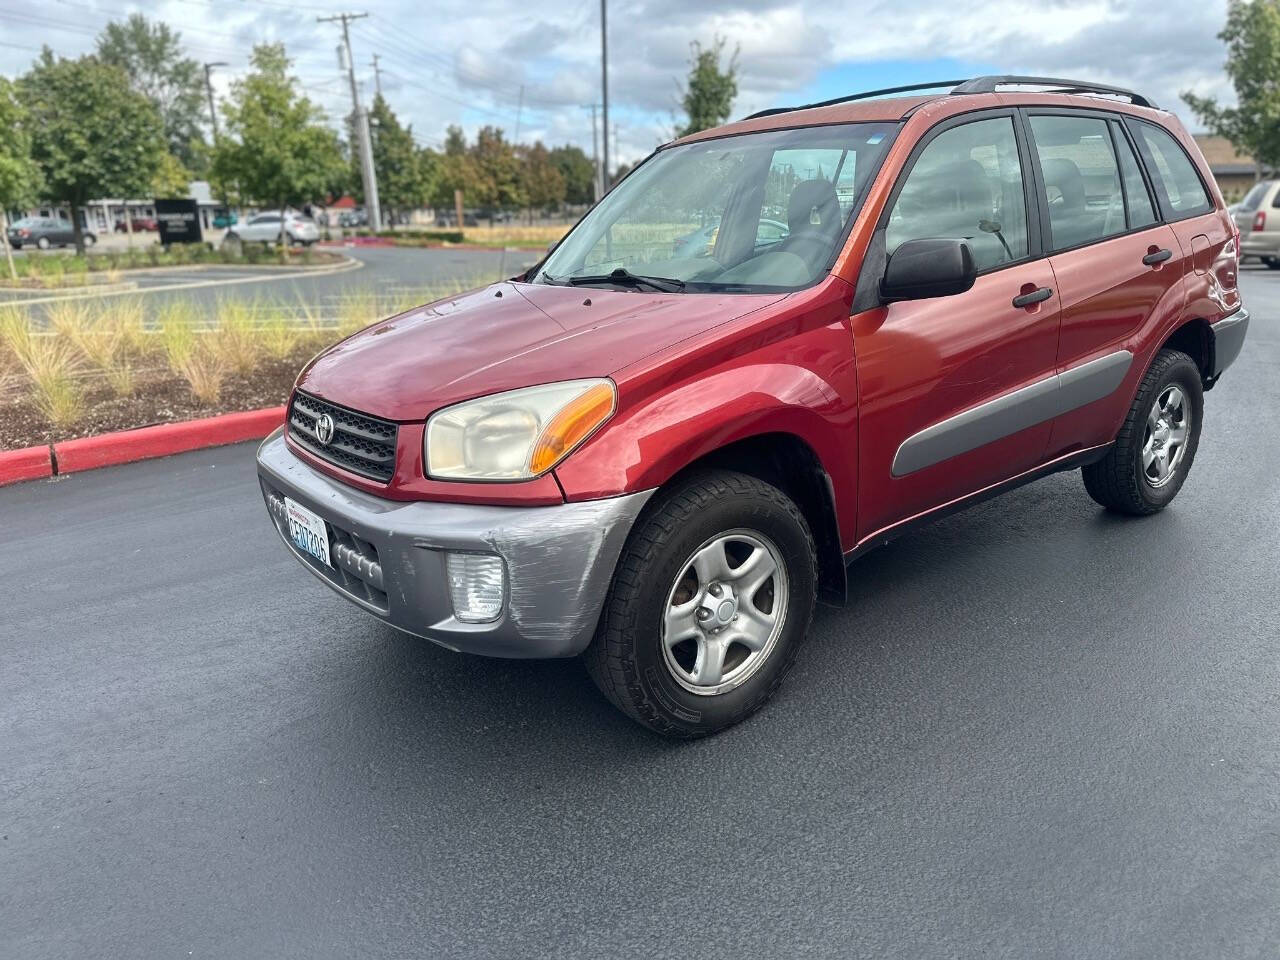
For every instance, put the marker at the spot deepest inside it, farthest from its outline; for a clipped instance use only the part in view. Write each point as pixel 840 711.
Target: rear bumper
pixel 389 558
pixel 1228 338
pixel 1265 243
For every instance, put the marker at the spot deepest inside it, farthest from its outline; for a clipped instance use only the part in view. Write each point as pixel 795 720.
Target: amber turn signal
pixel 573 424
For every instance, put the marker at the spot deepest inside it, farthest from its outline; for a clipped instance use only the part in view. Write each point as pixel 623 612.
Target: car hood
pixel 505 336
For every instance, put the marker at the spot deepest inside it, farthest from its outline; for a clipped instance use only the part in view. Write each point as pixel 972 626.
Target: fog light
pixel 477 585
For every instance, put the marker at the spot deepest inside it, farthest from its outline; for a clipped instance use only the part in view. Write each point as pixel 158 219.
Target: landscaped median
pixel 127 446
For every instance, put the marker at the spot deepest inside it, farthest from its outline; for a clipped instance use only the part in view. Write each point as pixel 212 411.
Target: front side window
pixel 1174 172
pixel 1081 179
pixel 966 184
pixel 760 211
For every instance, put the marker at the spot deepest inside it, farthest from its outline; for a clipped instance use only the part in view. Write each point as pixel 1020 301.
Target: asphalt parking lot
pixel 1037 731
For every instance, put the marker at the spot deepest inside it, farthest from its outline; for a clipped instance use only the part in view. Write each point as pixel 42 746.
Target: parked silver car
pixel 265 228
pixel 1258 217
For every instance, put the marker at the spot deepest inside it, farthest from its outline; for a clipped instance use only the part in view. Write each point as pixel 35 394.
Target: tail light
pixel 1260 221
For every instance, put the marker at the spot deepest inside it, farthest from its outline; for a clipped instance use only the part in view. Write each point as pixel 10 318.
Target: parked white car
pixel 265 228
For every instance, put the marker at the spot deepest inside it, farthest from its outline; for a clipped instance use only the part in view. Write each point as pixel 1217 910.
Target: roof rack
pixel 865 95
pixel 989 85
pixel 975 85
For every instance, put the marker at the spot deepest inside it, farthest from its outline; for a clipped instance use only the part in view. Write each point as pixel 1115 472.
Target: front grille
pixel 355 571
pixel 361 444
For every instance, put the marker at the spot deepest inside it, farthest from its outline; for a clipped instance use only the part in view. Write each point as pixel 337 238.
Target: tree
pixel 151 56
pixel 276 146
pixel 402 182
pixel 171 178
pixel 454 171
pixel 497 170
pixel 19 174
pixel 92 135
pixel 541 182
pixel 1252 36
pixel 579 174
pixel 708 97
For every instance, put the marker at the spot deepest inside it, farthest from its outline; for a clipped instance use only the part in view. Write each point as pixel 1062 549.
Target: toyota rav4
pixel 660 454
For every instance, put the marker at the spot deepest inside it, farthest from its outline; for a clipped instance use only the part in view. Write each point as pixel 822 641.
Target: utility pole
pixel 604 87
pixel 213 119
pixel 368 175
pixel 519 111
pixel 595 155
pixel 377 75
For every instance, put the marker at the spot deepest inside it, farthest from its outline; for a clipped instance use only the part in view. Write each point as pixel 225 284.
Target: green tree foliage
pixel 579 174
pixel 1252 36
pixel 276 146
pixel 403 182
pixel 711 89
pixel 542 185
pixel 171 178
pixel 91 133
pixel 497 171
pixel 19 175
pixel 151 55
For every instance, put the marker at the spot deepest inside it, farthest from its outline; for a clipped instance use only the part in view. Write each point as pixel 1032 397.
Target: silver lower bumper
pixel 1228 338
pixel 389 558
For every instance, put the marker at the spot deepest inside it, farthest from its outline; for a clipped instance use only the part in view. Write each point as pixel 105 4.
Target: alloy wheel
pixel 725 612
pixel 1164 442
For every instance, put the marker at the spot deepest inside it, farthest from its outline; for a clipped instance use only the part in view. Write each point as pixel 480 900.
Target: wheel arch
pixel 1194 338
pixel 788 462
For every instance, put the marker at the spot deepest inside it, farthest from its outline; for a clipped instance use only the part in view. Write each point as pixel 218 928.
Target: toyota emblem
pixel 324 429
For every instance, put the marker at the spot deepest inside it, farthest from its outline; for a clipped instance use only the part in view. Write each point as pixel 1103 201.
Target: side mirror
pixel 920 269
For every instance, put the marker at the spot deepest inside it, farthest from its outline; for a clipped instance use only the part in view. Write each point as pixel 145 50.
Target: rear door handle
pixel 1158 256
pixel 1035 296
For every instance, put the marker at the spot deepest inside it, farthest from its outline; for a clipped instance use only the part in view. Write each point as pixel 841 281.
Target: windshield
pixel 756 212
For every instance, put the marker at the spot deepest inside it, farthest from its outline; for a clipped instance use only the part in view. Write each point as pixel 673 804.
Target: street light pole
pixel 604 86
pixel 368 174
pixel 213 119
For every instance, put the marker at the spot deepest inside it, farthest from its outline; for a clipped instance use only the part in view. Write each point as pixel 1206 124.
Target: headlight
pixel 516 435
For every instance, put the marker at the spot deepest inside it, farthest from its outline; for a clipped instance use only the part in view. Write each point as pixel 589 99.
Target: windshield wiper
pixel 624 277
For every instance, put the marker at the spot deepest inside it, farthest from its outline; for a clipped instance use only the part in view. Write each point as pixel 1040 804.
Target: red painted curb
pixel 126 446
pixel 29 463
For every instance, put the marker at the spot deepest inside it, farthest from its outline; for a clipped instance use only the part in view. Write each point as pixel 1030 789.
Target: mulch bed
pixel 160 397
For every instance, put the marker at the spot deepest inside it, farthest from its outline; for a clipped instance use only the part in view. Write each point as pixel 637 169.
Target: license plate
pixel 308 531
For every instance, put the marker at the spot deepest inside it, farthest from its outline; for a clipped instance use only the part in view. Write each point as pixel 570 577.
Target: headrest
pixel 808 196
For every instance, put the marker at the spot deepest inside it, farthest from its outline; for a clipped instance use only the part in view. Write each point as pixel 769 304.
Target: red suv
pixel 661 457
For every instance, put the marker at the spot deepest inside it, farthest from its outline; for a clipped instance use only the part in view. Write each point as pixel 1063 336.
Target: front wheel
pixel 1152 454
pixel 90 239
pixel 1273 263
pixel 709 605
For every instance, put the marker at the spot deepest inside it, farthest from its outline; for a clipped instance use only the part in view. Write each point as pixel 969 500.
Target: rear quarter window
pixel 1173 171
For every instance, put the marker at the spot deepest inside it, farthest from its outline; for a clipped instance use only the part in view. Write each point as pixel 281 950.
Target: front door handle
pixel 1157 256
pixel 1034 297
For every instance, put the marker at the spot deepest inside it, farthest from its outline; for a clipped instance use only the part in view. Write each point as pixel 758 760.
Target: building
pixel 101 216
pixel 1235 172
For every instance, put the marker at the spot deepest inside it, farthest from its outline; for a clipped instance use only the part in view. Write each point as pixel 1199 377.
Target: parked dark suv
pixel 660 454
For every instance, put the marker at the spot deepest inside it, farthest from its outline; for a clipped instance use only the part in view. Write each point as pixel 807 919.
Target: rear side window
pixel 1141 212
pixel 966 184
pixel 1081 179
pixel 1174 171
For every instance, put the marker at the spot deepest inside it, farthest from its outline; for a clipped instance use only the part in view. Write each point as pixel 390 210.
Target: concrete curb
pixel 144 443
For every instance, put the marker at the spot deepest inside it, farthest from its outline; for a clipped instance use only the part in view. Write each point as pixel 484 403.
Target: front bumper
pixel 1228 338
pixel 389 558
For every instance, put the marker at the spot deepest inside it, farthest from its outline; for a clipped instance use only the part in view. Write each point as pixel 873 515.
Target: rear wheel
pixel 1273 263
pixel 1146 467
pixel 90 239
pixel 711 600
pixel 43 243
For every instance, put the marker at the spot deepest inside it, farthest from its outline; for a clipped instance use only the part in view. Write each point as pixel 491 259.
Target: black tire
pixel 43 243
pixel 1118 481
pixel 90 239
pixel 627 658
pixel 1273 263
